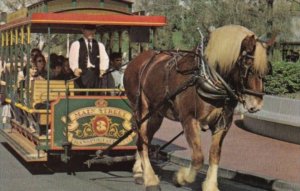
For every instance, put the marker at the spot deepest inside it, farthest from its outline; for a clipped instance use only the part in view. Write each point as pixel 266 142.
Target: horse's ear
pixel 268 42
pixel 249 44
pixel 272 40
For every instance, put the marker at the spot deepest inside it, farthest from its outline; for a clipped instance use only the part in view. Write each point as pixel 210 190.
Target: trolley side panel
pixel 93 122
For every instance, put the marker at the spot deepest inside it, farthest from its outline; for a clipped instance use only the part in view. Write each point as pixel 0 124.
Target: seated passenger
pixel 53 60
pixel 57 69
pixel 67 71
pixel 39 68
pixel 116 70
pixel 34 52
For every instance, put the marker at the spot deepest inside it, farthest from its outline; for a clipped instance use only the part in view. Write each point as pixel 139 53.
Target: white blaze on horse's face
pixel 252 103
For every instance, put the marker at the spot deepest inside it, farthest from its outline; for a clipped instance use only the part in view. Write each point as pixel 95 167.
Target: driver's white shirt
pixel 74 56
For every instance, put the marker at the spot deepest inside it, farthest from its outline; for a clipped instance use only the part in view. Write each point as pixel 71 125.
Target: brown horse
pixel 183 87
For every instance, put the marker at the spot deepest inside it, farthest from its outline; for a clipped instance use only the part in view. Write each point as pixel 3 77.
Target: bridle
pixel 212 86
pixel 245 70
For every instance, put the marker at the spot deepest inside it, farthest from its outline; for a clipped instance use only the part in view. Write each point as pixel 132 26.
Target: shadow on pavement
pixel 55 165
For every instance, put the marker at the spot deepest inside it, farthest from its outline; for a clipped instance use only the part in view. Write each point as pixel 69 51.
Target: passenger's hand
pixel 102 72
pixel 77 72
pixel 39 78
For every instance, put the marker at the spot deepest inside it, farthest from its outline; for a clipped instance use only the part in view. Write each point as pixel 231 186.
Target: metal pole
pixel 68 45
pixel 48 83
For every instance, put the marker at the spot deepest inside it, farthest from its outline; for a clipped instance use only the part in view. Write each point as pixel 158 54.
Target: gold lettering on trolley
pixel 99 140
pixel 73 124
pixel 91 111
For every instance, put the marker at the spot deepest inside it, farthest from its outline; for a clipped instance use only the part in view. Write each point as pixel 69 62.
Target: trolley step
pixel 23 146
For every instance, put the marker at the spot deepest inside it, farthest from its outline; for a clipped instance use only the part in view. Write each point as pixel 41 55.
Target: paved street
pixel 15 175
pixel 246 157
pixel 242 151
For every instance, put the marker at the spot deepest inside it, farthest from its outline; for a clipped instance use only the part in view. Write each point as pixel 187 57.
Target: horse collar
pixel 211 85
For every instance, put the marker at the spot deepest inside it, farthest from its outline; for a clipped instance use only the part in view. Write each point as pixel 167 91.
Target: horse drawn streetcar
pixel 198 89
pixel 68 122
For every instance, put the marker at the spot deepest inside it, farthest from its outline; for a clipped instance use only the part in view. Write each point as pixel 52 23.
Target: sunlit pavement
pixel 245 156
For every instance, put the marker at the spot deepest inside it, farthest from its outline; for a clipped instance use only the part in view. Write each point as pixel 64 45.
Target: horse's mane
pixel 260 58
pixel 224 46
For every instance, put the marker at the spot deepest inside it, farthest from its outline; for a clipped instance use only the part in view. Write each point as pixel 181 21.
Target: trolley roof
pixel 72 22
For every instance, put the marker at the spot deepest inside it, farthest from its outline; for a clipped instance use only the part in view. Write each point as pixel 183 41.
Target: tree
pixel 38 40
pixel 260 16
pixel 14 5
pixel 168 8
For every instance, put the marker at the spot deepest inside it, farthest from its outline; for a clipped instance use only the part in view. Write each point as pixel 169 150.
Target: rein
pixel 212 86
pixel 244 76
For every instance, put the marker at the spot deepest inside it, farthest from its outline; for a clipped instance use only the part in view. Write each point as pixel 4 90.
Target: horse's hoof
pixel 153 188
pixel 175 181
pixel 139 180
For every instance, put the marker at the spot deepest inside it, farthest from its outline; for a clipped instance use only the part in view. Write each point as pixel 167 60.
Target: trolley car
pixel 69 123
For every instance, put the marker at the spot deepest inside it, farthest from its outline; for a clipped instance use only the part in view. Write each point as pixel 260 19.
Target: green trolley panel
pixel 91 123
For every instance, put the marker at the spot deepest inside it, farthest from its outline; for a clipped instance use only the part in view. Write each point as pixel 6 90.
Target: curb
pixel 247 178
pixel 270 128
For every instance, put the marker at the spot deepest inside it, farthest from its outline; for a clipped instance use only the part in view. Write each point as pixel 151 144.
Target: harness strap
pixel 180 89
pixel 254 93
pixel 230 92
pixel 243 76
pixel 211 85
pixel 138 93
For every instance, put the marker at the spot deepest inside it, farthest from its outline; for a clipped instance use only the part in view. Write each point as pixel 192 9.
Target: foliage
pixel 285 78
pixel 171 10
pixel 186 15
pixel 14 5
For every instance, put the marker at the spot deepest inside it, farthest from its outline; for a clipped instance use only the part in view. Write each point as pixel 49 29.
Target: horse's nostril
pixel 253 109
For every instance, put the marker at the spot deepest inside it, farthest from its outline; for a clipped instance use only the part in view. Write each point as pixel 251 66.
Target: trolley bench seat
pixel 39 91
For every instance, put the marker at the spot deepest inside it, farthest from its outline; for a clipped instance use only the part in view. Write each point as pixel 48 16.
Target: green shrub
pixel 285 78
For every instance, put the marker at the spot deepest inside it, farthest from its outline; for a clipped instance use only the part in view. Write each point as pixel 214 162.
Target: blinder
pixel 246 70
pixel 212 86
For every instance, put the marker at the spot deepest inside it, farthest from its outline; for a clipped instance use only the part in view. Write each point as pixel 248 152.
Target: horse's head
pixel 241 59
pixel 250 70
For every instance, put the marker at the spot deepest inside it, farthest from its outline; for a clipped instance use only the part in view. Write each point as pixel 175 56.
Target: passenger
pixel 89 60
pixel 33 53
pixel 39 71
pixel 116 69
pixel 2 85
pixel 57 69
pixel 53 60
pixel 6 109
pixel 67 71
